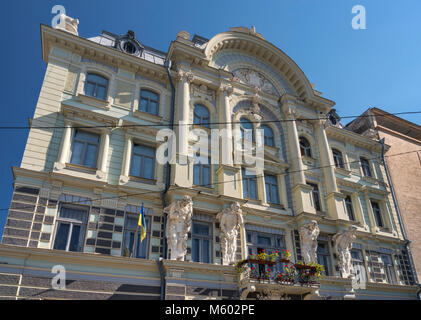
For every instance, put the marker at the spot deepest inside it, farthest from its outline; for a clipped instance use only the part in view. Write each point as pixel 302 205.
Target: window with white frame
pixel 85 146
pixel 323 256
pixel 130 246
pixel 202 242
pixel 349 208
pixel 201 115
pixel 388 268
pixel 359 265
pixel 143 162
pixel 249 185
pixel 316 196
pixel 305 147
pixel 269 138
pixel 272 190
pixel 338 159
pixel 149 101
pixel 202 172
pixel 96 86
pixel 70 228
pixel 375 206
pixel 365 165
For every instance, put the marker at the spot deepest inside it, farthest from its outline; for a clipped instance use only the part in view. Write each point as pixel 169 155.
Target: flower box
pixel 267 262
pixel 284 260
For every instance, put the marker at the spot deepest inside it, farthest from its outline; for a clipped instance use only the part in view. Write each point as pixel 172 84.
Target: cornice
pixel 95 51
pixel 353 138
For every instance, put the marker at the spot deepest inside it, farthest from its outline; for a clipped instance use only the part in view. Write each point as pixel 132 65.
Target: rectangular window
pixel 202 174
pixel 96 86
pixel 323 256
pixel 338 159
pixel 349 208
pixel 272 191
pixel 70 229
pixel 377 214
pixel 366 167
pixel 249 185
pixel 316 196
pixel 149 101
pixel 358 265
pixel 143 162
pixel 201 242
pixel 85 147
pixel 388 268
pixel 140 249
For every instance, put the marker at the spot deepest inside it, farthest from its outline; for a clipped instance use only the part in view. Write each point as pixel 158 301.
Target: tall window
pixel 85 147
pixel 201 116
pixel 143 162
pixel 96 86
pixel 70 228
pixel 366 167
pixel 338 159
pixel 359 266
pixel 247 130
pixel 140 249
pixel 249 185
pixel 269 139
pixel 201 242
pixel 377 214
pixel 202 174
pixel 305 147
pixel 149 101
pixel 349 208
pixel 272 191
pixel 323 256
pixel 316 196
pixel 388 268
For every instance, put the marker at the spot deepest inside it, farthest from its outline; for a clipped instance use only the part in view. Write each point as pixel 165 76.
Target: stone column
pixel 103 155
pixel 301 192
pixel 335 199
pixel 125 169
pixel 66 141
pixel 226 172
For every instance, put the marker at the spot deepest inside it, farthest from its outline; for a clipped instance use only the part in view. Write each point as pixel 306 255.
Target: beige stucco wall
pixel 405 172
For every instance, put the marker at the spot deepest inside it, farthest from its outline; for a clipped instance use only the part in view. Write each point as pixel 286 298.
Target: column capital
pixel 184 76
pixel 228 89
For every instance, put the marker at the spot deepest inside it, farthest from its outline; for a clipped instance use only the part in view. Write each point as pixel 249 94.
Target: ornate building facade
pixel 90 162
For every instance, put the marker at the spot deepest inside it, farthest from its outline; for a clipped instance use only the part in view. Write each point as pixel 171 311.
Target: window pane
pixel 77 149
pixel 205 250
pixel 91 156
pixel 274 195
pixel 61 236
pixel 262 240
pixel 200 229
pixel 135 167
pixel 153 107
pixel 101 92
pixel 74 240
pixel 149 95
pixel 89 89
pixel 196 250
pixel 148 168
pixel 74 214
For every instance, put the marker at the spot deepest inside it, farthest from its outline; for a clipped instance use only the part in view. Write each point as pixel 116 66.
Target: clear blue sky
pixel 376 67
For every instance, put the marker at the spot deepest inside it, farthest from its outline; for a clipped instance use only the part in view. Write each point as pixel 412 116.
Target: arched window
pixel 268 136
pixel 305 147
pixel 96 86
pixel 338 159
pixel 149 101
pixel 247 129
pixel 201 115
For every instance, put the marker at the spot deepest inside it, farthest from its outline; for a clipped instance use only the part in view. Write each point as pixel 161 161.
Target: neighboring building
pixel 404 164
pixel 89 163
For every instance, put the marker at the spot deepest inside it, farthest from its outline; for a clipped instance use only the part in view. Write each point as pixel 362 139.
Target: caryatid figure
pixel 309 233
pixel 231 221
pixel 343 244
pixel 179 214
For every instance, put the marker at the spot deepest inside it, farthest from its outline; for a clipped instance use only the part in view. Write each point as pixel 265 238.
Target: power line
pixel 202 124
pixel 215 183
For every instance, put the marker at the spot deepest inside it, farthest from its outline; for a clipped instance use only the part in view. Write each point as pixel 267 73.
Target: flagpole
pixel 134 241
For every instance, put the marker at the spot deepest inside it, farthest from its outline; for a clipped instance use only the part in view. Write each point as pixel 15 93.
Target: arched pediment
pixel 264 51
pixel 255 78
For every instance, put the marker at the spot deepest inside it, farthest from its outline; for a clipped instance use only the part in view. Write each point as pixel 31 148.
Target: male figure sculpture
pixel 309 233
pixel 343 244
pixel 231 221
pixel 178 225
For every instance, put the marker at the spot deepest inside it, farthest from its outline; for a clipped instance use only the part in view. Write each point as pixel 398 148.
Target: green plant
pixel 262 255
pixel 239 265
pixel 317 269
pixel 273 256
pixel 286 254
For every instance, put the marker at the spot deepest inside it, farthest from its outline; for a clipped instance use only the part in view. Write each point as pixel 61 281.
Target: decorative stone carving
pixel 308 234
pixel 256 79
pixel 343 244
pixel 231 221
pixel 178 225
pixel 202 92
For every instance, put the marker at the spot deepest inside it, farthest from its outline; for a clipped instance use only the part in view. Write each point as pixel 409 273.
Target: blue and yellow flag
pixel 142 224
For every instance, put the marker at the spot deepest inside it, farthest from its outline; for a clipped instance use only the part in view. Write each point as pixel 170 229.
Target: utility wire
pixel 215 183
pixel 202 124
